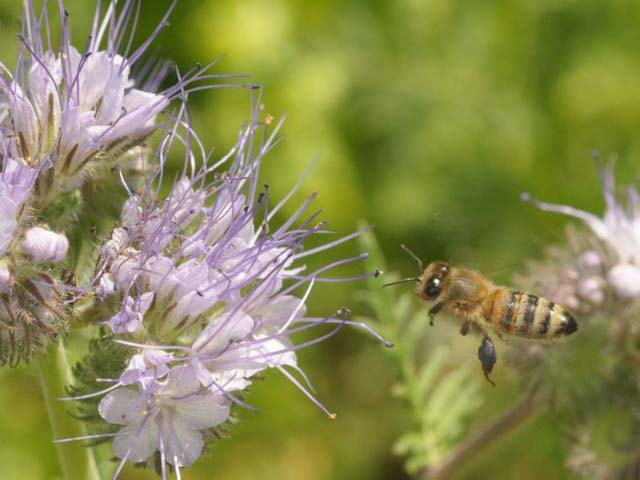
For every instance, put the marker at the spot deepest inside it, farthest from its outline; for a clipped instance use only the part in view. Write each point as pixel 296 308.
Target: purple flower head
pixel 72 110
pixel 204 272
pixel 30 303
pixel 610 259
pixel 72 115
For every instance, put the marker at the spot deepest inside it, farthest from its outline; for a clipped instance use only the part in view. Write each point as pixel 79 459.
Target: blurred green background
pixel 431 117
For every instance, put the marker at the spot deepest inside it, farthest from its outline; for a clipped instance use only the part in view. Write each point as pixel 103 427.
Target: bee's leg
pixel 486 375
pixel 433 311
pixel 464 329
pixel 487 356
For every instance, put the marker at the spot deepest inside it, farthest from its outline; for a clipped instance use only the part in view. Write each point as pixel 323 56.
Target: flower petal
pixel 122 406
pixel 221 332
pixel 137 441
pixel 203 410
pixel 183 445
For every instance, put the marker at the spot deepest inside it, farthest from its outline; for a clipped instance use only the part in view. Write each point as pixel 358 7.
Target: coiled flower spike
pixel 204 287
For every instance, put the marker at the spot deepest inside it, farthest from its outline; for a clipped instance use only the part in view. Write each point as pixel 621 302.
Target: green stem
pixel 76 460
pixel 478 441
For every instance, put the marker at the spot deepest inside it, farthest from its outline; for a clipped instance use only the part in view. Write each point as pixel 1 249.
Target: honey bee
pixel 469 296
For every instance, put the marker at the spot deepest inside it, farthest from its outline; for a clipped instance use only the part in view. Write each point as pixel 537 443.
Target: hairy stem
pixel 54 373
pixel 476 442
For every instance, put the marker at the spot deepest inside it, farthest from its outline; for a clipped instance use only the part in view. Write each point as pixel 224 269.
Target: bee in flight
pixel 467 295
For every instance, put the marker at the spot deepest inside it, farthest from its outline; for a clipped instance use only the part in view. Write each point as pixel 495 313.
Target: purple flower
pixel 30 313
pixel 146 367
pixel 206 274
pixel 166 415
pixel 68 110
pixel 16 181
pixel 615 263
pixel 67 115
pixel 216 360
pixel 71 108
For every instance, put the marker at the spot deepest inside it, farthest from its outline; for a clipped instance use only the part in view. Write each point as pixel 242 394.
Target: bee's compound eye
pixel 433 288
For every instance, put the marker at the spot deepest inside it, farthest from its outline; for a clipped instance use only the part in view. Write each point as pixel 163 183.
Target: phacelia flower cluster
pixel 30 311
pixel 69 112
pixel 67 116
pixel 197 290
pixel 602 267
pixel 597 275
pixel 204 287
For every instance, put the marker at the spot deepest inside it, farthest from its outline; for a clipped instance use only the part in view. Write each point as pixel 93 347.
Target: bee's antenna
pixel 413 255
pixel 404 280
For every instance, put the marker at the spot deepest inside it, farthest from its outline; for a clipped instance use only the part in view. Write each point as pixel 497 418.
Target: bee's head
pixel 431 281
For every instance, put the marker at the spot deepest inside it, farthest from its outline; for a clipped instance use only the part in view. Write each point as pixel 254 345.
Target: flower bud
pixel 44 245
pixel 590 289
pixel 590 260
pixel 625 280
pixel 572 274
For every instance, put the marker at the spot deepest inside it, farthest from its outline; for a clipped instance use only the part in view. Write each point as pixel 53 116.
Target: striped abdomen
pixel 525 315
